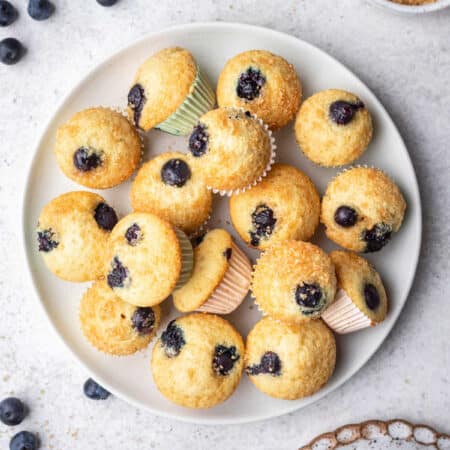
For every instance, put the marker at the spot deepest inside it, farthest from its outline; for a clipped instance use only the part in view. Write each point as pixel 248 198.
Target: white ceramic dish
pixel 212 44
pixel 409 9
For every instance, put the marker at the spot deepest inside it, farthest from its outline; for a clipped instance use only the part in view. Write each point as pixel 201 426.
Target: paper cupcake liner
pixel 230 192
pixel 233 288
pixel 198 102
pixel 187 258
pixel 202 229
pixel 343 317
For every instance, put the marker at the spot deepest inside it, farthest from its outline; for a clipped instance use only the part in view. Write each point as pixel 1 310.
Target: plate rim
pixel 186 27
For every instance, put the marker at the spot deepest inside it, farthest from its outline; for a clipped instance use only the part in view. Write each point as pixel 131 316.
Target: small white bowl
pixel 408 9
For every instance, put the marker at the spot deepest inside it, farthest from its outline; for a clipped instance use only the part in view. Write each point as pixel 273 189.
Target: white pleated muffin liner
pixel 343 316
pixel 187 258
pixel 360 166
pixel 233 288
pixel 273 147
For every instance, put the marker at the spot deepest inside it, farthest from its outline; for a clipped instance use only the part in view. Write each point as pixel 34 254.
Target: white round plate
pixel 212 44
pixel 412 9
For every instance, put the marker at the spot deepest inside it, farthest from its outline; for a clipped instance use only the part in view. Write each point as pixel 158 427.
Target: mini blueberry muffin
pixel 147 259
pixel 235 149
pixel 72 234
pixel 294 281
pixel 198 360
pixel 169 92
pixel 284 205
pixel 361 209
pixel 220 279
pixel 361 300
pixel 262 83
pixel 333 128
pixel 171 187
pixel 289 360
pixel 113 326
pixel 98 148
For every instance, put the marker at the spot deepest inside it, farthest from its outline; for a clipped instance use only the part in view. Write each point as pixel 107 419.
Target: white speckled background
pixel 404 60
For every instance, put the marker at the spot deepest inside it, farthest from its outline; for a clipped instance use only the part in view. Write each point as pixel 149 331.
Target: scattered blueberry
pixel 24 441
pixel 8 14
pixel 198 240
pixel 143 320
pixel 342 112
pixel 107 2
pixel 12 411
pixel 40 9
pixel 224 359
pixel 371 296
pixel 175 172
pixel 270 363
pixel 263 220
pixel 136 100
pixel 198 140
pixel 133 234
pixel 308 295
pixel 227 253
pixel 46 240
pixel 345 216
pixel 85 159
pixel 172 339
pixel 250 83
pixel 94 391
pixel 116 278
pixel 11 51
pixel 105 216
pixel 377 237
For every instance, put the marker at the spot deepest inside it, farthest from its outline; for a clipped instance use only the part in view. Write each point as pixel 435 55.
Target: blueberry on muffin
pixel 72 235
pixel 170 186
pixel 198 361
pixel 169 92
pixel 333 128
pixel 290 360
pixel 264 84
pixel 361 209
pixel 294 281
pixel 113 326
pixel 98 148
pixel 284 205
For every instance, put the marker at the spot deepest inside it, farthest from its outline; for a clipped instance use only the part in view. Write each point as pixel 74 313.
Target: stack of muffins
pixel 164 250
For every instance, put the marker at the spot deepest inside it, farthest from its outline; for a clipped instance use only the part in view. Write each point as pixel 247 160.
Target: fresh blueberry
pixel 198 140
pixel 85 159
pixel 345 216
pixel 227 253
pixel 11 51
pixel 250 83
pixel 118 274
pixel 46 240
pixel 308 295
pixel 107 2
pixel 263 220
pixel 175 172
pixel 342 112
pixel 105 216
pixel 24 441
pixel 133 234
pixel 40 9
pixel 371 296
pixel 12 411
pixel 270 363
pixel 8 14
pixel 94 391
pixel 377 237
pixel 143 320
pixel 136 100
pixel 224 359
pixel 172 339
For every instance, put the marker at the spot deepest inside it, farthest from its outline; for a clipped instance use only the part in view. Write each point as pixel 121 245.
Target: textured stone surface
pixel 405 60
